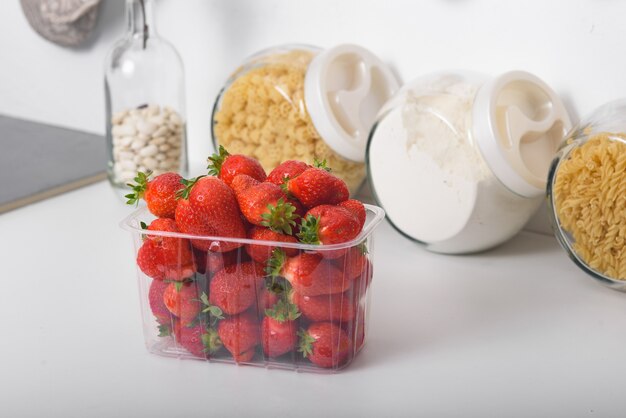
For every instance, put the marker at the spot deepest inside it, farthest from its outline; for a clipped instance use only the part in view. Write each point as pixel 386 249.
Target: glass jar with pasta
pixel 587 195
pixel 305 103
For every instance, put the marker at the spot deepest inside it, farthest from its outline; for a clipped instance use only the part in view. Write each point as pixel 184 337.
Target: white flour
pixel 432 181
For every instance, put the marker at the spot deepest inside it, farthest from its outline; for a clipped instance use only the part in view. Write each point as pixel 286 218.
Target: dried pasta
pixel 590 202
pixel 262 114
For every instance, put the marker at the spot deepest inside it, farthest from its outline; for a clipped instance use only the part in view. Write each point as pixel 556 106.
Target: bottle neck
pixel 140 19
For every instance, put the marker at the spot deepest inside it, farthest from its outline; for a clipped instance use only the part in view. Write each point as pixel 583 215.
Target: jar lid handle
pixel 344 89
pixel 518 124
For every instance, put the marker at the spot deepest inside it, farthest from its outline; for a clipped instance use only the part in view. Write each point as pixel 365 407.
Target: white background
pixel 577 46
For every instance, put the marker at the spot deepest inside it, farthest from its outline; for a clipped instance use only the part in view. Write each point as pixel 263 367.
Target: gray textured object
pixel 39 161
pixel 65 22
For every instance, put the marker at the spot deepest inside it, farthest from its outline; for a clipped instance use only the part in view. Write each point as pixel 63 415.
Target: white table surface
pixel 517 331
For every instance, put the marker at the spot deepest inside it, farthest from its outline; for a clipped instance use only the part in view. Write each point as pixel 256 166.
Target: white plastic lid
pixel 344 88
pixel 518 123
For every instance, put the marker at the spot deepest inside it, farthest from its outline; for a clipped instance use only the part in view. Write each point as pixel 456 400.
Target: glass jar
pixel 305 103
pixel 459 161
pixel 145 101
pixel 587 195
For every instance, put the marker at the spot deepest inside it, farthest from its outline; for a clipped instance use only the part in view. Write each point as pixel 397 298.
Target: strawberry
pixel 199 340
pixel 325 344
pixel 181 299
pixel 265 204
pixel 308 273
pixel 357 209
pixel 286 170
pixel 163 257
pixel 278 329
pixel 328 224
pixel 261 253
pixel 242 182
pixel 157 306
pixel 208 207
pixel 226 166
pixel 159 193
pixel 209 262
pixel 355 263
pixel 239 334
pixel 316 186
pixel 336 307
pixel 234 288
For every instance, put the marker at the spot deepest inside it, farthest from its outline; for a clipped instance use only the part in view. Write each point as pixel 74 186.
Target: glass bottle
pixel 145 101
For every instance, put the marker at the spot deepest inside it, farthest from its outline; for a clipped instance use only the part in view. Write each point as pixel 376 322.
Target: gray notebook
pixel 38 161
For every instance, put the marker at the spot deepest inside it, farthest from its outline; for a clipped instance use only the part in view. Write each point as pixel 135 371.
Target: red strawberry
pixel 226 166
pixel 328 224
pixel 260 253
pixel 286 170
pixel 159 193
pixel 157 306
pixel 267 299
pixel 210 262
pixel 165 257
pixel 355 262
pixel 199 340
pixel 244 357
pixel 337 307
pixel 208 207
pixel 357 209
pixel 325 344
pixel 234 288
pixel 242 182
pixel 316 186
pixel 265 204
pixel 308 273
pixel 181 299
pixel 278 330
pixel 239 334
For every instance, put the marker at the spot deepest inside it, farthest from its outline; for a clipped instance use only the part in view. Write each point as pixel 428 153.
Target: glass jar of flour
pixel 305 103
pixel 459 161
pixel 145 101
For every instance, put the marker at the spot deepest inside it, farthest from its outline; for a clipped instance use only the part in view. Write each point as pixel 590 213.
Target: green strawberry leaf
pixel 211 341
pixel 216 160
pixel 309 230
pixel 283 311
pixel 178 286
pixel 184 192
pixel 275 263
pixel 305 345
pixel 138 188
pixel 321 164
pixel 164 330
pixel 280 218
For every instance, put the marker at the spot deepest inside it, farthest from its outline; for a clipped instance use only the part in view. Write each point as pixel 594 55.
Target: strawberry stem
pixel 305 345
pixel 275 262
pixel 283 311
pixel 138 188
pixel 211 341
pixel 321 164
pixel 309 230
pixel 184 192
pixel 280 218
pixel 216 160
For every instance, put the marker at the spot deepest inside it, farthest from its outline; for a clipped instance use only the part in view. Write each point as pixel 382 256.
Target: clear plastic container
pixel 459 161
pixel 340 317
pixel 304 103
pixel 145 101
pixel 587 195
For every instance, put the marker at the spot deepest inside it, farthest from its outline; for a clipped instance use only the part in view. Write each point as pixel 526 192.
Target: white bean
pixel 137 144
pixel 145 127
pixel 127 165
pixel 164 147
pixel 158 140
pixel 150 163
pixel 149 151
